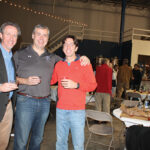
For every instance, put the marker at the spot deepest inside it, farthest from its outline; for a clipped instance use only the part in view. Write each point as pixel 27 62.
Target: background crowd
pixel 114 78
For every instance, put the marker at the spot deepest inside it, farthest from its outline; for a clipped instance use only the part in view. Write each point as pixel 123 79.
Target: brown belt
pixel 24 94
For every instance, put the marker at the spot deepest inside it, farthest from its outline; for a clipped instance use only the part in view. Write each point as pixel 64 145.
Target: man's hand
pixel 84 60
pixel 68 84
pixel 7 87
pixel 33 80
pixel 113 95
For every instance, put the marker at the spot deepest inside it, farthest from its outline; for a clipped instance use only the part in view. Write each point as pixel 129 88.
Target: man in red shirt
pixel 74 81
pixel 104 86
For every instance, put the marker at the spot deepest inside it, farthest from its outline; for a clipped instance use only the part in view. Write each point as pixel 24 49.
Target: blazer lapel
pixel 3 73
pixel 13 62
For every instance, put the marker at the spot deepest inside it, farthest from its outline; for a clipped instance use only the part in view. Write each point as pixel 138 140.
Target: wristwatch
pixel 78 85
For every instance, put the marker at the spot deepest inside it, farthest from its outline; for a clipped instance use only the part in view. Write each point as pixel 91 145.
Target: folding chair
pixel 129 103
pixel 99 129
pixel 132 95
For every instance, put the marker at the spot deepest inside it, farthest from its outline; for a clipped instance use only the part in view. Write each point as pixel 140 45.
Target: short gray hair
pixel 4 25
pixel 40 26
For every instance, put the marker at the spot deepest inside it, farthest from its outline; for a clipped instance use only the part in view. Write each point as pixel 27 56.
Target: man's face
pixel 108 62
pixel 40 38
pixel 9 37
pixel 135 67
pixel 69 48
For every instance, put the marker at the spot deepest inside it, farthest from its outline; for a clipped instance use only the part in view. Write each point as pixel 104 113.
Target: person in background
pixel 114 80
pixel 104 86
pixel 74 81
pixel 144 76
pixel 9 33
pixel 123 78
pixel 137 77
pixel 34 67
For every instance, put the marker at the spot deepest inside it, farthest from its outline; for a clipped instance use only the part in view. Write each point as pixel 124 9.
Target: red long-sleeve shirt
pixel 73 99
pixel 104 79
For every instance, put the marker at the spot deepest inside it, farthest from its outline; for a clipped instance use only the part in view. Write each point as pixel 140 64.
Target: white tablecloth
pixel 128 121
pixel 145 84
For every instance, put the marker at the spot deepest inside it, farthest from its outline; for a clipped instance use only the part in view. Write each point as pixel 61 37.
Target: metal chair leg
pixel 88 141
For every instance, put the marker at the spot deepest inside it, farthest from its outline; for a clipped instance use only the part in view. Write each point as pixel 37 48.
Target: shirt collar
pixel 77 58
pixel 4 52
pixel 45 51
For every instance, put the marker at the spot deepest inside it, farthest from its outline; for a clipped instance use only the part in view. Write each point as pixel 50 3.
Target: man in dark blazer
pixel 8 34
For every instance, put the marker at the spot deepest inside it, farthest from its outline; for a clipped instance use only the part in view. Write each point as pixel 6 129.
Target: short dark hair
pixel 137 65
pixel 72 37
pixel 41 26
pixel 115 66
pixel 4 25
pixel 125 61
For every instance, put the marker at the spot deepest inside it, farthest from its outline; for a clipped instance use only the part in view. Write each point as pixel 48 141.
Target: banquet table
pixel 145 83
pixel 130 121
pixel 143 94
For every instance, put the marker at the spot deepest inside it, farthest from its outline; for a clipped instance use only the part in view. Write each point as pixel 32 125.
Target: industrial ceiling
pixel 141 4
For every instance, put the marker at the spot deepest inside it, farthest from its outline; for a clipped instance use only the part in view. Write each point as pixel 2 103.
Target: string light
pixel 12 4
pixel 19 6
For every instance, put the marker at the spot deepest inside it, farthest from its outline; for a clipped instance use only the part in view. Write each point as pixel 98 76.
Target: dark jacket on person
pixel 137 138
pixel 137 76
pixel 4 96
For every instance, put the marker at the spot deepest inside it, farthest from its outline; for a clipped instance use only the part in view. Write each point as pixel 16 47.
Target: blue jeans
pixel 73 120
pixel 31 116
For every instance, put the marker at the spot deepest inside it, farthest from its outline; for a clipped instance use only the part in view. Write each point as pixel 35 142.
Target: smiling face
pixel 40 38
pixel 9 37
pixel 69 48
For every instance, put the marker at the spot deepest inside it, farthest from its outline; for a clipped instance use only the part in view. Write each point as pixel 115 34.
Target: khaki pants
pixel 102 102
pixel 5 127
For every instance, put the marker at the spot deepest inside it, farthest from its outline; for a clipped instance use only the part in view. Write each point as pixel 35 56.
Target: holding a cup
pixel 8 86
pixel 68 83
pixel 33 80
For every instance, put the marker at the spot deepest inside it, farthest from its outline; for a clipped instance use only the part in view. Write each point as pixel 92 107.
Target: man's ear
pixel 32 36
pixel 1 35
pixel 76 49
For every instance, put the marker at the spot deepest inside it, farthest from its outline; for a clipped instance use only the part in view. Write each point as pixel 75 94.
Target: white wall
pixel 139 47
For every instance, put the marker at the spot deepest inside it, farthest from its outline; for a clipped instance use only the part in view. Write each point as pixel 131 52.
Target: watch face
pixel 78 85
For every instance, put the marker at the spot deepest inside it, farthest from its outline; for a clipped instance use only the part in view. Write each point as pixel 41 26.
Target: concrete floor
pixel 49 139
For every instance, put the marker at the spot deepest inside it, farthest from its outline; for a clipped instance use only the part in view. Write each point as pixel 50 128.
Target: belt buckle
pixel 29 96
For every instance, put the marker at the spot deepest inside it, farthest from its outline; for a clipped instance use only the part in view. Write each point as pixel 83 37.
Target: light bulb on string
pixel 42 13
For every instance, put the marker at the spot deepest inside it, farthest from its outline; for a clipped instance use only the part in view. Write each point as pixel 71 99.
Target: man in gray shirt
pixel 34 66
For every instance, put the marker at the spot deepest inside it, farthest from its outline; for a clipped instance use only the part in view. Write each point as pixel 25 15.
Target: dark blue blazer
pixel 4 96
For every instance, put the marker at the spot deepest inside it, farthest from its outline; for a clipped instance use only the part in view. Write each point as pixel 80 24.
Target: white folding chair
pixel 100 129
